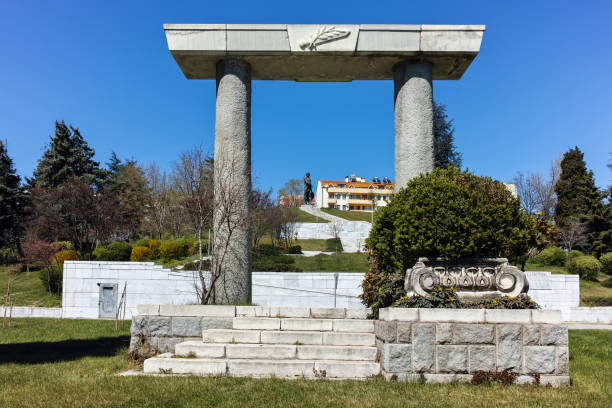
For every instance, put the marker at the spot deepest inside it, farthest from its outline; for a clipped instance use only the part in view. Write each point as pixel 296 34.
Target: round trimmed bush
pixel 607 283
pixel 588 267
pixel 553 256
pixel 606 263
pixel 574 253
pixel 176 249
pixel 451 214
pixel 119 251
pixel 101 254
pixel 140 254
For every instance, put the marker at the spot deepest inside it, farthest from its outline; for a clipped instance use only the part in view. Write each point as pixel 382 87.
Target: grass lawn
pixel 303 216
pixel 27 290
pixel 341 262
pixel 349 215
pixel 72 363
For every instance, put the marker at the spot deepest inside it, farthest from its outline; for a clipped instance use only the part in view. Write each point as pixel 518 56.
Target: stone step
pixel 262 368
pixel 275 351
pixel 297 337
pixel 303 324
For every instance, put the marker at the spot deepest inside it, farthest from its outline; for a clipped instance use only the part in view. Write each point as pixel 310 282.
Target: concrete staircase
pixel 283 347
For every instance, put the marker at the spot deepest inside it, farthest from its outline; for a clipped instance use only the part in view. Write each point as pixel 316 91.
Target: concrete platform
pixel 324 52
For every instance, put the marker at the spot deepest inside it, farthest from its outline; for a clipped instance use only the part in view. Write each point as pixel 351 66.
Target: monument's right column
pixel 413 109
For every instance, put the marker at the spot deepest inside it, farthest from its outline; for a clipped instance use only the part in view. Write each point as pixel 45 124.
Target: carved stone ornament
pixel 322 36
pixel 472 279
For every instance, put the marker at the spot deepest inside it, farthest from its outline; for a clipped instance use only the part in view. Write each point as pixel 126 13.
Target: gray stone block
pixel 423 342
pixel 216 323
pixel 139 325
pixel 554 335
pixel 444 333
pixel 403 332
pixel 562 360
pixel 166 344
pixel 386 331
pixel 482 358
pixel 186 326
pixel 159 326
pixel 452 359
pixel 539 359
pixel 474 333
pixel 509 356
pixel 396 358
pixel 531 335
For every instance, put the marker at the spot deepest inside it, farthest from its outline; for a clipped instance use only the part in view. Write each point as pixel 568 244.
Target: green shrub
pixel 574 253
pixel 119 251
pixel 193 266
pixel 101 254
pixel 588 267
pixel 267 249
pixel 141 254
pixel 175 249
pixel 64 244
pixel 8 256
pixel 333 245
pixel 294 250
pixel 606 263
pixel 551 256
pixel 52 278
pixel 262 262
pixel 142 242
pixel 451 214
pixel 607 283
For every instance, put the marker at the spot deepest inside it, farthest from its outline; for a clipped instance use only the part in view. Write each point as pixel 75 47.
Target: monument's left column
pixel 232 183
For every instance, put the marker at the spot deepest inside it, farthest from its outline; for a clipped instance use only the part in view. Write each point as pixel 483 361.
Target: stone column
pixel 413 121
pixel 232 184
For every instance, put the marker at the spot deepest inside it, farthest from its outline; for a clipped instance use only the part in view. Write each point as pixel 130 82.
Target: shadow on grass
pixel 67 350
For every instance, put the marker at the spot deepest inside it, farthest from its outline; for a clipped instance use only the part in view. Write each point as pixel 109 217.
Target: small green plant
pixel 587 267
pixel 606 263
pixel 551 255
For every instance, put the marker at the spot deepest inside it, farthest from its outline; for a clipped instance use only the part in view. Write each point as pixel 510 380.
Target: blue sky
pixel 540 85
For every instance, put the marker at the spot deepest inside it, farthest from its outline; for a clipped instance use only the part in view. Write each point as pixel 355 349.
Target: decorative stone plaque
pixel 471 278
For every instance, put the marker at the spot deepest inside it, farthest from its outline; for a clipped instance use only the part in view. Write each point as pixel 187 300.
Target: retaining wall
pixel 26 311
pixel 442 345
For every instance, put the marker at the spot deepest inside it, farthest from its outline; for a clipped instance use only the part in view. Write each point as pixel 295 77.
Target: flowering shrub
pixel 381 290
pixel 140 254
pixel 447 298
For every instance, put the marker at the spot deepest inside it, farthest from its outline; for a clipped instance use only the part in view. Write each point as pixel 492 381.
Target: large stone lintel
pixel 323 52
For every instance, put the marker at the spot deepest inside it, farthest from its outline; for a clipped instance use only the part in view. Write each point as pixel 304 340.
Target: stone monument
pixel 235 54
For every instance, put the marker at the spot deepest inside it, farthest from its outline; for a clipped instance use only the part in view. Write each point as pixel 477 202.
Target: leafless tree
pixel 336 229
pixel 291 193
pixel 538 193
pixel 193 180
pixel 574 235
pixel 289 226
pixel 160 202
pixel 261 208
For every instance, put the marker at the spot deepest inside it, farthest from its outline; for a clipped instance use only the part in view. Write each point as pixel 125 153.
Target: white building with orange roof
pixel 354 193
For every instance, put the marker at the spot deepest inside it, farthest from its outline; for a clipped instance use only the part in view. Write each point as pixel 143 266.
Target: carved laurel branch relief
pixel 322 36
pixel 487 277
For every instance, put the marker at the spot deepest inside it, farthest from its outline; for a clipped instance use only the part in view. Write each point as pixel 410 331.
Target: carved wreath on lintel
pixel 322 36
pixel 478 278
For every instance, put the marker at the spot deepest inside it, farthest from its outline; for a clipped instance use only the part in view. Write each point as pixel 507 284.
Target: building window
pixel 331 195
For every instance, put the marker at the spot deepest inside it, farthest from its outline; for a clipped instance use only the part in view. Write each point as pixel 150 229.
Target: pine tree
pixel 579 198
pixel 445 154
pixel 68 155
pixel 12 200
